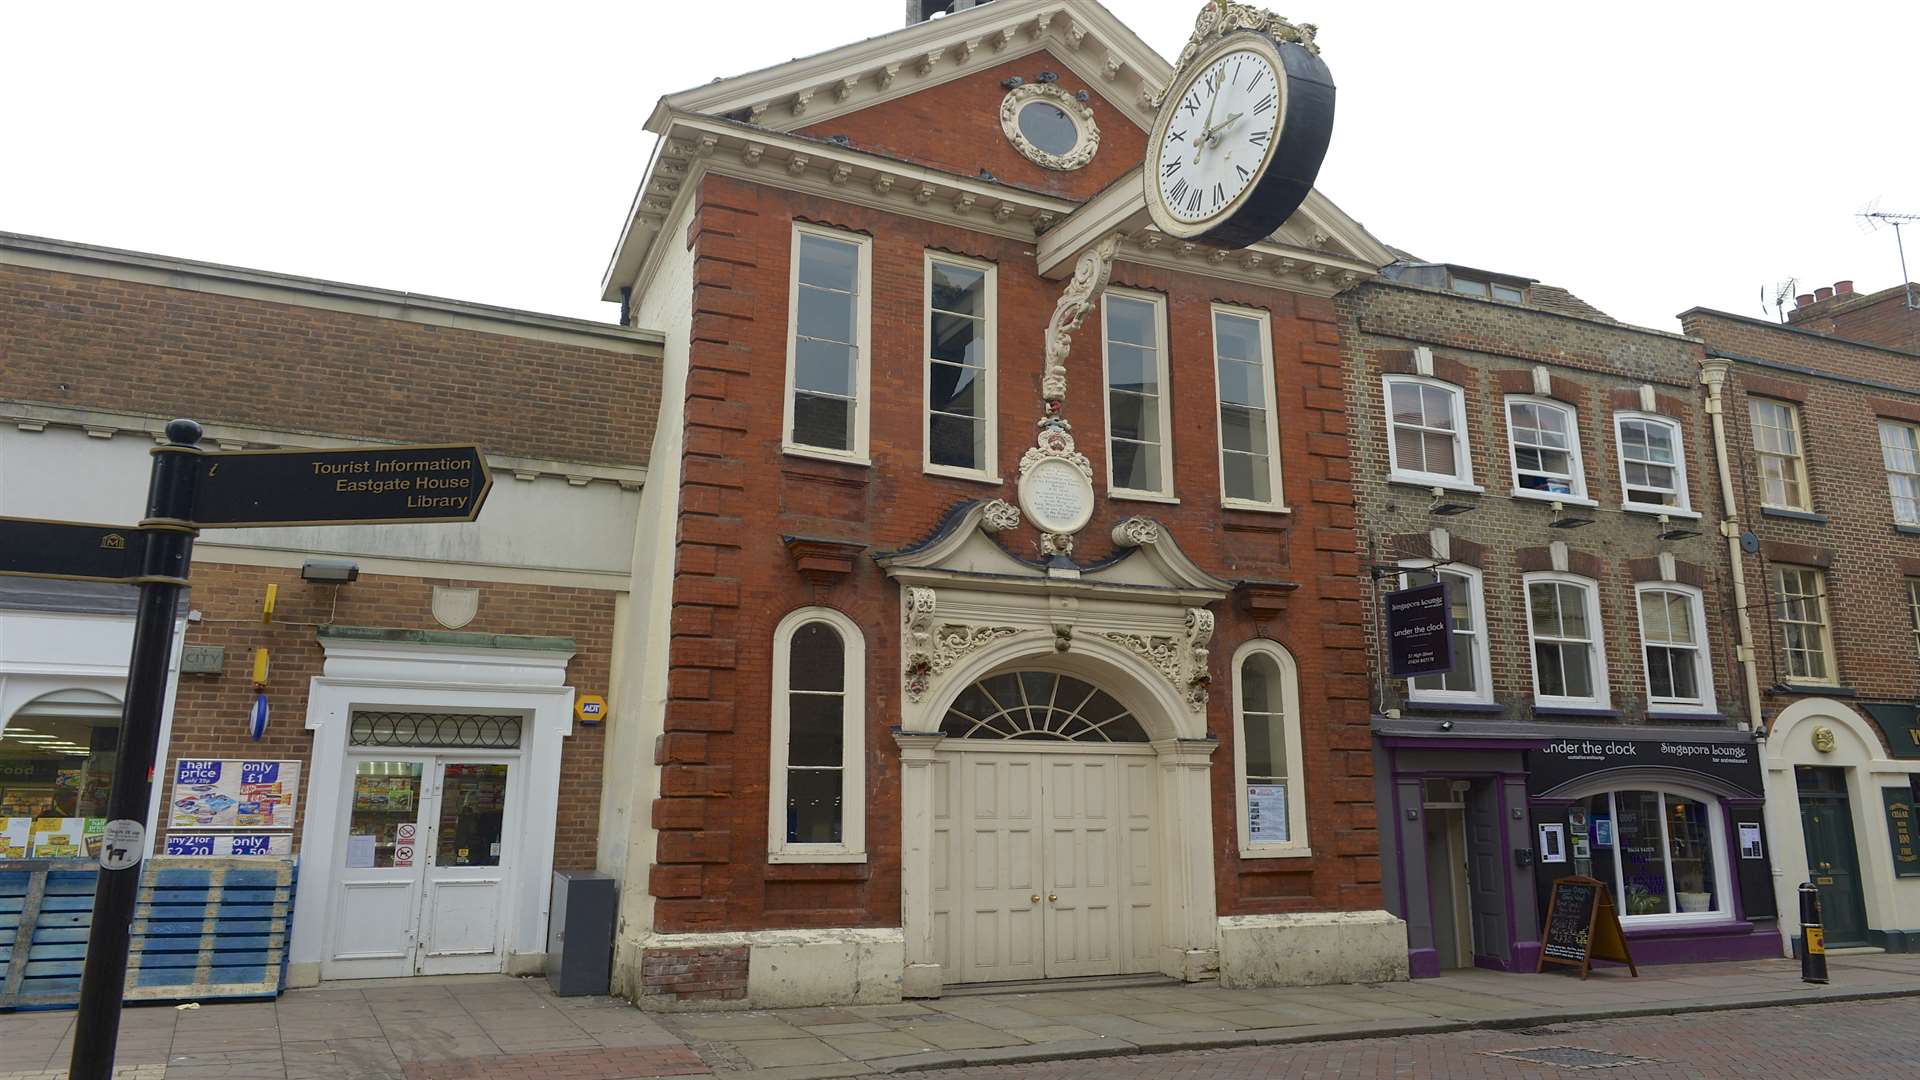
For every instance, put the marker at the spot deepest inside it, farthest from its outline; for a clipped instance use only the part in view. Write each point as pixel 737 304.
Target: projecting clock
pixel 1241 131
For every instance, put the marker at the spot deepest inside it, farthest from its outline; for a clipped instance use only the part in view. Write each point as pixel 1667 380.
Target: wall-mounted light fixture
pixel 1670 531
pixel 330 571
pixel 1564 520
pixel 1442 508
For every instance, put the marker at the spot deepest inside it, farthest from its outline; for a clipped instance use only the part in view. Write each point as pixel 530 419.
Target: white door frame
pixel 1184 902
pixel 366 673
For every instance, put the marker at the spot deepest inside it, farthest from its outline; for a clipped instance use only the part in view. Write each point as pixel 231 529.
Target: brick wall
pixel 734 579
pixel 210 713
pixel 1490 349
pixel 1867 560
pixel 103 343
pixel 955 127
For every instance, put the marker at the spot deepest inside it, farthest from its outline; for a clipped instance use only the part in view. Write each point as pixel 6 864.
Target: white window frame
pixel 1702 661
pixel 852 847
pixel 989 469
pixel 1913 518
pixel 1296 845
pixel 1159 302
pixel 1590 589
pixel 1798 457
pixel 1271 386
pixel 863 342
pixel 1913 609
pixel 1831 660
pixel 1482 660
pixel 1682 508
pixel 1577 479
pixel 1463 452
pixel 1723 869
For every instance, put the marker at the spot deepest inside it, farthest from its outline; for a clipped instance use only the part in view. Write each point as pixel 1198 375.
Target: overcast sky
pixel 1650 157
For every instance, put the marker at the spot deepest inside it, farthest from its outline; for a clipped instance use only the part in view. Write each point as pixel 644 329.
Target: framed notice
pixel 1267 813
pixel 1553 847
pixel 210 793
pixel 1750 840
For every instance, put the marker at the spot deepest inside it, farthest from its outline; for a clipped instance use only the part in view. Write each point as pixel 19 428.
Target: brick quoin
pixel 734 579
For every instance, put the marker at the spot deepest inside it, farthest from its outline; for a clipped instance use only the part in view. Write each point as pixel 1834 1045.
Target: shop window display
pixel 1655 852
pixel 56 764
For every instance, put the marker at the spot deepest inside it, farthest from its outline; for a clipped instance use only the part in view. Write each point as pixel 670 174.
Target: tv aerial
pixel 1871 220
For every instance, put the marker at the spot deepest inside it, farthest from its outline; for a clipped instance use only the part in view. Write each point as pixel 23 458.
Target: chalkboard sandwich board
pixel 1582 925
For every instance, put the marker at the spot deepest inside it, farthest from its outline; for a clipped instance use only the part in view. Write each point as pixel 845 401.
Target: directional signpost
pixel 192 489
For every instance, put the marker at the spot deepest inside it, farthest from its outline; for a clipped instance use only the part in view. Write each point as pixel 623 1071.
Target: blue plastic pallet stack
pixel 203 929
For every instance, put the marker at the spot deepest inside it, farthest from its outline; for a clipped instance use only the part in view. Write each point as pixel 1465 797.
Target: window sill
pixel 1254 507
pixel 1791 514
pixel 1449 705
pixel 791 856
pixel 1430 482
pixel 1573 709
pixel 1907 530
pixel 1252 852
pixel 1695 713
pixel 1655 510
pixel 1124 495
pixel 1814 689
pixel 951 473
pixel 1531 495
pixel 825 455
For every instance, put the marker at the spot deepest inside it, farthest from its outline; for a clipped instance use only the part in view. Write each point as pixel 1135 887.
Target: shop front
pixel 1672 822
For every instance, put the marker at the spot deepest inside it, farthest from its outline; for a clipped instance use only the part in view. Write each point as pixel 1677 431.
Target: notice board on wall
pixel 233 793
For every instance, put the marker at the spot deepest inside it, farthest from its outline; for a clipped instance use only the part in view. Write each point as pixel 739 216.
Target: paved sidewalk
pixel 495 1028
pixel 1045 1026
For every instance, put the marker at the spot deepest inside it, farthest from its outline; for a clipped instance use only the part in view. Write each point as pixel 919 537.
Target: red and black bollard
pixel 1813 945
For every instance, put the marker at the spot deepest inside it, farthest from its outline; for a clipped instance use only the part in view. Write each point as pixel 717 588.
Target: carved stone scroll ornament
pixel 1199 674
pixel 1055 439
pixel 1000 516
pixel 1136 532
pixel 1181 661
pixel 951 643
pixel 1218 19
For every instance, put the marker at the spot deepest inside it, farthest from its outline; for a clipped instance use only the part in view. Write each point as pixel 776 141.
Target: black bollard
pixel 1813 945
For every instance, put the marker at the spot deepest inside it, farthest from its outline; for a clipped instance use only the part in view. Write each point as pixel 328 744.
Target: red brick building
pixel 883 741
pixel 420 676
pixel 1821 423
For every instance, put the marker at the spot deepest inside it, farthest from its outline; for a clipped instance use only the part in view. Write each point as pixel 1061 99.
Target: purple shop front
pixel 1478 816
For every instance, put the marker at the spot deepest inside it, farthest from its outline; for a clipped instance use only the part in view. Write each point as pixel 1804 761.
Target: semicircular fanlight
pixel 1039 705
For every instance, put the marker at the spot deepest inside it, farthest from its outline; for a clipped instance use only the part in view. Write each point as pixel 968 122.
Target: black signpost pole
pixel 163 573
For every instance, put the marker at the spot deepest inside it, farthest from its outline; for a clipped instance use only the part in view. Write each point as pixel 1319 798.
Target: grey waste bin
pixel 580 933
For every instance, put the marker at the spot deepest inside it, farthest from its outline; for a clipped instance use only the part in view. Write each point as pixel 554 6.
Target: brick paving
pixel 1875 1040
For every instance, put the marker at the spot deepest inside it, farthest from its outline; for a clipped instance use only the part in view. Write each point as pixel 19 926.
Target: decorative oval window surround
pixel 1051 127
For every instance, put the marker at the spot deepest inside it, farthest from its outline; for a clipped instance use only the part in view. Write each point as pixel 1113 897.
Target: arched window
pixel 1661 851
pixel 816 791
pixel 1269 781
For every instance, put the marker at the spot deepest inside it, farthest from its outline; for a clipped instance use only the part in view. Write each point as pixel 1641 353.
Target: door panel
pixel 1486 875
pixel 467 869
pixel 1082 931
pixel 380 870
pixel 1834 868
pixel 1141 931
pixel 999 799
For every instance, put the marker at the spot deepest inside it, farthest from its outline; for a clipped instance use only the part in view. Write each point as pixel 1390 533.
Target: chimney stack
pixel 1805 299
pixel 1843 288
pixel 1822 294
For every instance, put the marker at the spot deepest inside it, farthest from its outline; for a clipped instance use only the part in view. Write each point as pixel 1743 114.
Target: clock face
pixel 1218 136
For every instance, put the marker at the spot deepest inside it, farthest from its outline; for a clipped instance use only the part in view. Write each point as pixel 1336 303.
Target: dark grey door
pixel 1833 863
pixel 1487 878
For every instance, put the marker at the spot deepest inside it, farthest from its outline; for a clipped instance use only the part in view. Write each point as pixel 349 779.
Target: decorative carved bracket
pixel 1182 661
pixel 933 647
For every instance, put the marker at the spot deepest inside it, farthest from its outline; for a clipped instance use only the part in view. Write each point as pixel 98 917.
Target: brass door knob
pixel 1051 898
pixel 1034 899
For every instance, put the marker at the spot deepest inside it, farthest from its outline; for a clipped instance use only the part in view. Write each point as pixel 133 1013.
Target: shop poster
pixel 50 837
pixel 280 844
pixel 213 793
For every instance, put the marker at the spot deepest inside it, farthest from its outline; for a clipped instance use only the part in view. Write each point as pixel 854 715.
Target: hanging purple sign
pixel 1419 631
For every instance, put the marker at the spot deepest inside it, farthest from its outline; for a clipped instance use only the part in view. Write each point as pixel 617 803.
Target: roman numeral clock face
pixel 1218 136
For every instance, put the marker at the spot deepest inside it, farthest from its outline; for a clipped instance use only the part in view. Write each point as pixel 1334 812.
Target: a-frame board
pixel 1581 925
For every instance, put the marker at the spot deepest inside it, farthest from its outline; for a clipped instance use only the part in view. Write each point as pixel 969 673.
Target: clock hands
pixel 1210 135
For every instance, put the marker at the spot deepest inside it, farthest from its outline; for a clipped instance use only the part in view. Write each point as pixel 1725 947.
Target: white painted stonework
pixel 1315 948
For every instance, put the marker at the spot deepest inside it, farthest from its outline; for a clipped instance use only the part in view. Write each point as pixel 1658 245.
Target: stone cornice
pixel 695 145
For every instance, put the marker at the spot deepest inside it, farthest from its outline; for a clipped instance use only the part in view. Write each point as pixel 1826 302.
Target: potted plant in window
pixel 1643 901
pixel 1690 887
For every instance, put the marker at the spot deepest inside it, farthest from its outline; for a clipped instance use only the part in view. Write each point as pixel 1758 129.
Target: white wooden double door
pixel 1043 861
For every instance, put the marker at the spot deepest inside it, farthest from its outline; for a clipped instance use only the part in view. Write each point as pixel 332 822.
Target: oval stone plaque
pixel 1057 497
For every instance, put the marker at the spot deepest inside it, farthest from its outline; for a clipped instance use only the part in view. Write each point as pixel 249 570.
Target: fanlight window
pixel 1040 705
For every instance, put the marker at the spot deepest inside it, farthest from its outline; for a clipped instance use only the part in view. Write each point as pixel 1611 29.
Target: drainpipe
pixel 1713 375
